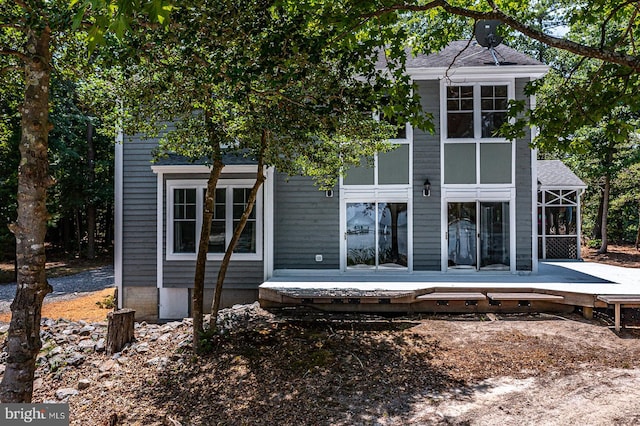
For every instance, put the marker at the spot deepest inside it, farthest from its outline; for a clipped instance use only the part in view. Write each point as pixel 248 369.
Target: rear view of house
pixel 461 199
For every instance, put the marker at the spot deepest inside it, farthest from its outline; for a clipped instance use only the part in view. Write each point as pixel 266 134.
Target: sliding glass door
pixel 376 235
pixel 478 235
pixel 494 236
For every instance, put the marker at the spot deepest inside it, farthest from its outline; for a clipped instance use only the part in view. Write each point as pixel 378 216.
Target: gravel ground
pixel 65 288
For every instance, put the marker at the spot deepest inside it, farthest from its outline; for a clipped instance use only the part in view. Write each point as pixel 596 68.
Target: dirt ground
pixel 84 307
pixel 363 370
pixel 619 255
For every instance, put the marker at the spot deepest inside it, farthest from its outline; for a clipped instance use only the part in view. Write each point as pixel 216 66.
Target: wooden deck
pixel 423 300
pixel 448 293
pixel 619 301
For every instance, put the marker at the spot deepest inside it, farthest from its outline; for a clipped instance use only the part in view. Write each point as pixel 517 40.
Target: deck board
pixel 526 296
pixel 438 295
pixel 624 299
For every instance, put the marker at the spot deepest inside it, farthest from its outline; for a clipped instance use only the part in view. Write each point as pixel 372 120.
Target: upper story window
pixel 475 111
pixel 389 168
pixel 473 153
pixel 185 201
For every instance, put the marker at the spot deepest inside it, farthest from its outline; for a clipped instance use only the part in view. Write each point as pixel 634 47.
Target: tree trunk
pixel 108 226
pixel 638 233
pixel 237 232
pixel 120 329
pixel 66 233
pixel 23 341
pixel 203 249
pixel 205 231
pixel 78 216
pixel 605 214
pixel 596 233
pixel 90 200
pixel 224 265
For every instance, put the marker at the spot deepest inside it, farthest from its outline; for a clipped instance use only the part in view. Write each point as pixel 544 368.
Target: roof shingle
pixel 554 173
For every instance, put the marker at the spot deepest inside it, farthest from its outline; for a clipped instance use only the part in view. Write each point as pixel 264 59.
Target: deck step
pixel 538 297
pixel 624 299
pixel 618 301
pixel 438 295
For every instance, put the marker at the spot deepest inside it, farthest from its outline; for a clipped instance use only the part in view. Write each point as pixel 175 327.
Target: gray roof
pixel 463 53
pixel 554 173
pixel 179 160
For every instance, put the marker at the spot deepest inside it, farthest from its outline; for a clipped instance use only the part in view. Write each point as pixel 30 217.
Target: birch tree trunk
pixel 23 340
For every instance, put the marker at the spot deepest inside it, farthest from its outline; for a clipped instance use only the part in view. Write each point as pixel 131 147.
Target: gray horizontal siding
pixel 180 273
pixel 138 214
pixel 306 223
pixel 139 248
pixel 240 275
pixel 524 252
pixel 426 164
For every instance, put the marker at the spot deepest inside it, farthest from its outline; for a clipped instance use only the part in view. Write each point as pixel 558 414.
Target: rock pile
pixel 74 345
pixel 241 316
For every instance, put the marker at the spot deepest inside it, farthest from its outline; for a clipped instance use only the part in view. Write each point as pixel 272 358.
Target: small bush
pixel 594 243
pixel 109 302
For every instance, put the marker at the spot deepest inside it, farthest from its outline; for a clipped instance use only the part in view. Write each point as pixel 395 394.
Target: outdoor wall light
pixel 426 191
pixel 328 193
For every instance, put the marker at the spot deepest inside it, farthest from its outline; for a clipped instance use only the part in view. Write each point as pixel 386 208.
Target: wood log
pixel 120 329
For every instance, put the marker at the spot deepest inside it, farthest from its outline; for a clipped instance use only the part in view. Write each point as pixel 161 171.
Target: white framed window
pixel 393 167
pixel 184 207
pixel 472 152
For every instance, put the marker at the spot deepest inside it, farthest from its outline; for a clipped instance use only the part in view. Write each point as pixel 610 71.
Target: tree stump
pixel 119 329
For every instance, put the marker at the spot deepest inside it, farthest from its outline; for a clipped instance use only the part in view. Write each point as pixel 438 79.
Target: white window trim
pixel 477 139
pixel 406 141
pixel 352 194
pixel 200 185
pixel 475 196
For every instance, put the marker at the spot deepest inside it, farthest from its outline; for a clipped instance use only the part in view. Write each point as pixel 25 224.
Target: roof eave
pixel 555 187
pixel 485 72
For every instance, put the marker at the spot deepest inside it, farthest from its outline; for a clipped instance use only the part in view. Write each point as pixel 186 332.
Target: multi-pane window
pixel 460 112
pixel 247 242
pixel 473 151
pixel 218 236
pixel 469 119
pixel 184 220
pixel 493 109
pixel 186 214
pixel 386 168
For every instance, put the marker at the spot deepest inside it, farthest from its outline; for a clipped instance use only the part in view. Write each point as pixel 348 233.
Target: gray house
pixel 459 199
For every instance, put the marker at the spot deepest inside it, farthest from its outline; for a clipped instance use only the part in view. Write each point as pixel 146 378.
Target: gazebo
pixel 559 191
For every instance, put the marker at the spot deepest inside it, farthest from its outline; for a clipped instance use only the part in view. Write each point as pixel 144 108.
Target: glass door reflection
pixel 377 235
pixel 461 235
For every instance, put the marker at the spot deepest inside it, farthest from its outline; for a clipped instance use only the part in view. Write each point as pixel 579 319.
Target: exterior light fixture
pixel 426 191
